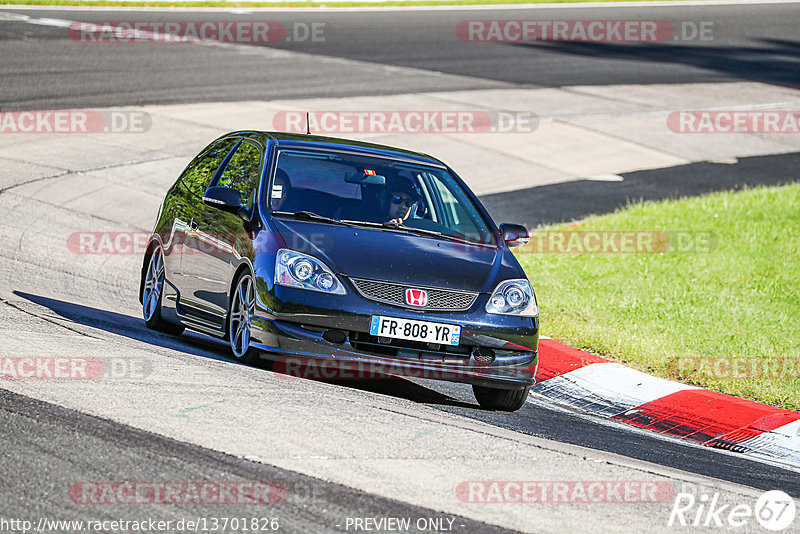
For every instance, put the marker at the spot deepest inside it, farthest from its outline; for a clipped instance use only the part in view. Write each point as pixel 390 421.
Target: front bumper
pixel 293 332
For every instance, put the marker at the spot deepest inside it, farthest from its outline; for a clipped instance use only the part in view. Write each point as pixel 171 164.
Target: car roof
pixel 287 140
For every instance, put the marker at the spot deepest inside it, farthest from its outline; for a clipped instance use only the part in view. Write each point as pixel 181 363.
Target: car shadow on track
pixel 568 201
pixel 771 61
pixel 402 388
pixel 208 347
pixel 127 326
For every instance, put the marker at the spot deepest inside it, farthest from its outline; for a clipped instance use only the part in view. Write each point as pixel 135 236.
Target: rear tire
pixel 153 292
pixel 240 316
pixel 503 400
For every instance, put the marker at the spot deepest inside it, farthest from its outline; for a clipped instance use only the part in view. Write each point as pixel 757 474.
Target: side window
pixel 197 176
pixel 448 209
pixel 243 172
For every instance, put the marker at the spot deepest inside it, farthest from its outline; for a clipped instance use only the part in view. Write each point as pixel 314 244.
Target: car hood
pixel 393 256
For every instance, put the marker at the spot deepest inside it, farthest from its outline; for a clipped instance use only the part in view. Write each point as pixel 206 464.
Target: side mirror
pixel 514 235
pixel 225 199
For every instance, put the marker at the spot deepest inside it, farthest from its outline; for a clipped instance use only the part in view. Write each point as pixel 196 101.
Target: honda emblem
pixel 416 297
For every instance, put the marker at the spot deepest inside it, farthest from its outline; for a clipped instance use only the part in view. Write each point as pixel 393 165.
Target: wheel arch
pixel 155 241
pixel 244 266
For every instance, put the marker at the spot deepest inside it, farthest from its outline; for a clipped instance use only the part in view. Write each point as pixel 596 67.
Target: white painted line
pixel 547 403
pixel 781 445
pixel 791 430
pixel 269 52
pixel 13 17
pixel 57 23
pixel 605 178
pixel 607 388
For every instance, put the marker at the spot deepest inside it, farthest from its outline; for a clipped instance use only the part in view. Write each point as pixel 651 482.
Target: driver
pixel 402 194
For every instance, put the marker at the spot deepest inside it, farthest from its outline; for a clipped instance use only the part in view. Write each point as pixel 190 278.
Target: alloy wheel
pixel 242 309
pixel 153 285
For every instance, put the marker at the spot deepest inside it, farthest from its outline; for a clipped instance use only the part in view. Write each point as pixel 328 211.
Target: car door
pixel 208 265
pixel 187 199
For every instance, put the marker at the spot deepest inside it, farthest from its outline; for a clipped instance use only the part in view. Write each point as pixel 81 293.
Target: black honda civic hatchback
pixel 311 250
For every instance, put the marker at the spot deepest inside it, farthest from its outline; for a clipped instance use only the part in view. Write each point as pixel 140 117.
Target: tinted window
pixel 243 172
pixel 374 190
pixel 197 176
pixel 450 206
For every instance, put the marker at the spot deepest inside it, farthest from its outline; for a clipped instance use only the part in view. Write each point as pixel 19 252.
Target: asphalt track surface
pixel 44 445
pixel 119 452
pixel 43 68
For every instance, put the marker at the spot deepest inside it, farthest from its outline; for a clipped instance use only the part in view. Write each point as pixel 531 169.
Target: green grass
pixel 287 3
pixel 727 319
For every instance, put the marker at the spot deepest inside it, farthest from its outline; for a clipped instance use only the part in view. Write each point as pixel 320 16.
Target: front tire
pixel 503 400
pixel 243 307
pixel 153 292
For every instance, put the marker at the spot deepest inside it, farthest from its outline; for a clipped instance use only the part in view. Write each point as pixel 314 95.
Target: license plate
pixel 394 327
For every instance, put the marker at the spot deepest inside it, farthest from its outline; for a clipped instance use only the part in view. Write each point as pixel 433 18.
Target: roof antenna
pixel 308 124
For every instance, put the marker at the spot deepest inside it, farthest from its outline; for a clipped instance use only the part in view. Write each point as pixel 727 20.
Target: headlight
pixel 295 269
pixel 301 270
pixel 513 297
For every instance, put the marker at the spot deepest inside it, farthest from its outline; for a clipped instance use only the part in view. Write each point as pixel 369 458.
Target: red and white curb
pixel 600 387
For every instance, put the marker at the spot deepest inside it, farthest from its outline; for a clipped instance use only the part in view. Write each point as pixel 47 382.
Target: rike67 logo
pixel 774 510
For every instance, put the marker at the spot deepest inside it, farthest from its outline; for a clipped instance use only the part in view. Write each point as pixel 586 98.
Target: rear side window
pixel 243 172
pixel 198 175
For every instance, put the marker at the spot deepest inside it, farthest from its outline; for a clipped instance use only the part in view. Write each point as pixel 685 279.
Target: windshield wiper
pixel 410 229
pixel 395 226
pixel 433 233
pixel 311 216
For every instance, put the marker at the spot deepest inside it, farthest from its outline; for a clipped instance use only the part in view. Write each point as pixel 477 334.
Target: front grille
pixel 394 294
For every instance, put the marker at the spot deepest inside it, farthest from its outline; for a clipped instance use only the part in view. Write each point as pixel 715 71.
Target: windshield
pixel 376 192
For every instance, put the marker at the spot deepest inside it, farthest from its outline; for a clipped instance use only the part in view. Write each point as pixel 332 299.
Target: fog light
pixel 483 355
pixel 334 336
